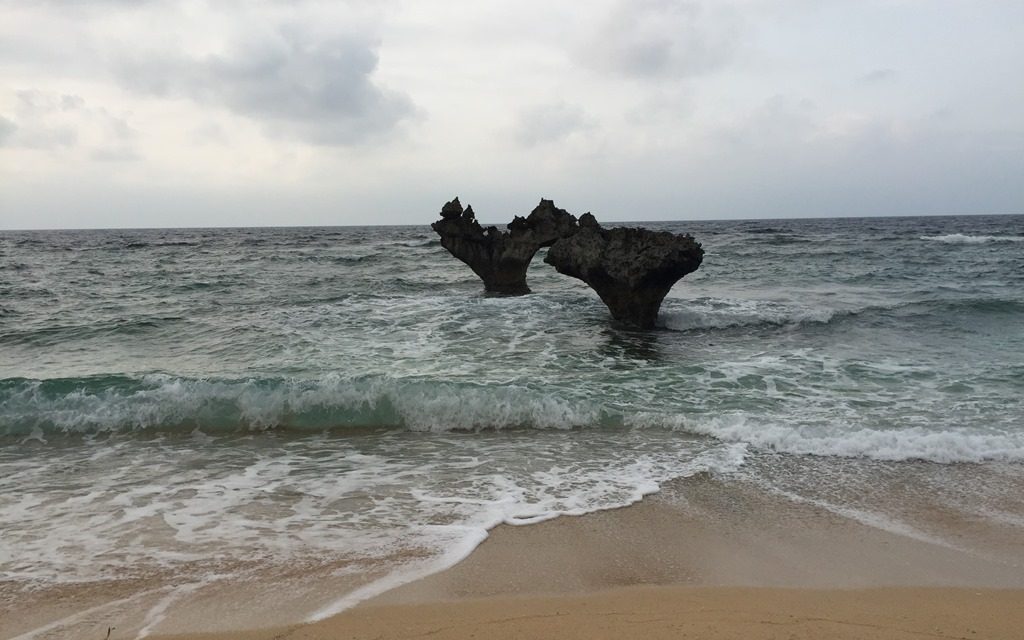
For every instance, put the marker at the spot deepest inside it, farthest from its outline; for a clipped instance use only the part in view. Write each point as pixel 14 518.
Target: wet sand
pixel 703 558
pixel 683 612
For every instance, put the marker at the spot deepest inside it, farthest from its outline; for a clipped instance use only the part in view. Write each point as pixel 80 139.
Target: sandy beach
pixel 703 558
pixel 732 564
pixel 682 612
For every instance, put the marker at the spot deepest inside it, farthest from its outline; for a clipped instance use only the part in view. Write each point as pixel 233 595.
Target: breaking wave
pixel 722 313
pixel 161 402
pixel 959 238
pixel 168 243
pixel 912 443
pixel 711 313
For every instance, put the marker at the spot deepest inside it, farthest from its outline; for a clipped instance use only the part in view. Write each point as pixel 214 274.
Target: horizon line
pixel 489 224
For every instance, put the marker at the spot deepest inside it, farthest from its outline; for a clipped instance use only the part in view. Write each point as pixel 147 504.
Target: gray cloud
pixel 319 90
pixel 32 103
pixel 7 129
pixel 662 38
pixel 877 76
pixel 33 126
pixel 46 138
pixel 115 154
pixel 547 123
pixel 675 111
pixel 69 4
pixel 54 121
pixel 779 123
pixel 666 105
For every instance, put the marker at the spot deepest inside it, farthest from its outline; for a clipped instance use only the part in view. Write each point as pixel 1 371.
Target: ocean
pixel 214 403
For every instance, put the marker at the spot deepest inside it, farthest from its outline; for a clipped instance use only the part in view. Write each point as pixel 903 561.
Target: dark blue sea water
pixel 204 398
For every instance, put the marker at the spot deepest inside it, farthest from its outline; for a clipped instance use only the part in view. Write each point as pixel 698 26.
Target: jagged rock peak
pixel 451 209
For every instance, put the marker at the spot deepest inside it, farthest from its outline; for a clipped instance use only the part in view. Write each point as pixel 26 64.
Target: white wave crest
pixel 715 313
pixel 912 443
pixel 169 402
pixel 959 238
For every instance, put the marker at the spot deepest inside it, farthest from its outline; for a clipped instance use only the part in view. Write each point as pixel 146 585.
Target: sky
pixel 160 113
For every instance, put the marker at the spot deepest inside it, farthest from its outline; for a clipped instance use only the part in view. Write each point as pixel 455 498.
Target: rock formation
pixel 632 269
pixel 501 258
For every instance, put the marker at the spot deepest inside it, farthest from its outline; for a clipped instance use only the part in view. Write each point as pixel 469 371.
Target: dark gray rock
pixel 501 258
pixel 632 269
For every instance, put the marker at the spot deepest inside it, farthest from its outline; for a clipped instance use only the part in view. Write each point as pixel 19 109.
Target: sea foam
pixel 177 404
pixel 721 313
pixel 161 404
pixel 839 440
pixel 960 238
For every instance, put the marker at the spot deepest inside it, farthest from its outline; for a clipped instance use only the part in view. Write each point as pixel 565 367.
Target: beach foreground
pixel 704 558
pixel 683 612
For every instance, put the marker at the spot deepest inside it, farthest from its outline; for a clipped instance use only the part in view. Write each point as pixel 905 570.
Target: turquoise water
pixel 196 398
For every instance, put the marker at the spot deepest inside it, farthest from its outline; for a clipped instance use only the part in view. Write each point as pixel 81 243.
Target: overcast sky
pixel 116 113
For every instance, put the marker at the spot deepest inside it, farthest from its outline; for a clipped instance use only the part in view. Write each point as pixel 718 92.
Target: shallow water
pixel 196 400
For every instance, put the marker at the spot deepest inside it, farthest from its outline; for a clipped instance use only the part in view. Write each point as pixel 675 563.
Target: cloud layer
pixel 320 90
pixel 663 39
pixel 169 112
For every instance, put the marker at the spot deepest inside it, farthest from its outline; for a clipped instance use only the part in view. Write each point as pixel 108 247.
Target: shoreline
pixel 701 539
pixel 750 565
pixel 670 612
